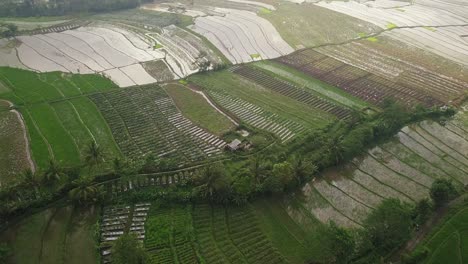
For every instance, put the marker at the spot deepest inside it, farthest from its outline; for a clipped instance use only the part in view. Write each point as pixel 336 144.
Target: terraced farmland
pixel 169 238
pixel 414 23
pixel 357 82
pixel 144 120
pixel 256 117
pixel 260 107
pixel 403 168
pixel 290 90
pixel 60 120
pixel 401 69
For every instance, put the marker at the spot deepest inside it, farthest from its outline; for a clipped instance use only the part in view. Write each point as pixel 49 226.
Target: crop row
pixel 232 235
pixel 118 220
pixel 288 89
pixel 144 120
pixel 357 82
pixel 397 69
pixel 257 117
pixel 169 236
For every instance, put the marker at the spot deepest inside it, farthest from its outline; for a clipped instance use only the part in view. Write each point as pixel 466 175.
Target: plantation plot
pixel 355 81
pixel 241 35
pixel 118 220
pixel 288 89
pixel 256 117
pixel 145 121
pixel 258 106
pixel 390 61
pixel 169 235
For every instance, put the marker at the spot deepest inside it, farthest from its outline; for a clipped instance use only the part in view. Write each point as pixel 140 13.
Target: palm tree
pixel 31 179
pixel 259 168
pixel 94 155
pixel 214 181
pixel 336 149
pixel 54 172
pixel 85 192
pixel 303 168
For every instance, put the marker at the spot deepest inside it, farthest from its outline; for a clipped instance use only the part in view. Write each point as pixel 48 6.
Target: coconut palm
pixel 54 172
pixel 94 155
pixel 336 149
pixel 84 192
pixel 31 179
pixel 214 180
pixel 303 169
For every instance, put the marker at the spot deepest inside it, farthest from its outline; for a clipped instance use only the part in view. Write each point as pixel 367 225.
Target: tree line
pixel 28 8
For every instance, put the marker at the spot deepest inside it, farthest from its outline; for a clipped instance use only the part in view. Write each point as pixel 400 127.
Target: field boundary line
pixel 60 121
pixel 81 121
pixel 49 147
pixel 397 172
pixel 435 165
pixel 333 206
pixel 462 163
pixel 352 198
pixel 384 184
pixel 441 158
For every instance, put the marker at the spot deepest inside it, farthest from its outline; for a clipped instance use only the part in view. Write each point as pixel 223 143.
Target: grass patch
pixel 430 29
pixel 372 39
pixel 255 56
pixel 157 46
pixel 264 11
pixel 183 82
pixel 391 25
pixel 196 108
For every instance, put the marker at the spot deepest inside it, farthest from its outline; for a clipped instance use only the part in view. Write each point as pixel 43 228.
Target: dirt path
pixel 26 141
pixel 213 105
pixel 25 136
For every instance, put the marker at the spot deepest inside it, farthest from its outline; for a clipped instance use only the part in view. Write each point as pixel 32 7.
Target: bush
pixel 388 226
pixel 442 191
pixel 416 257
